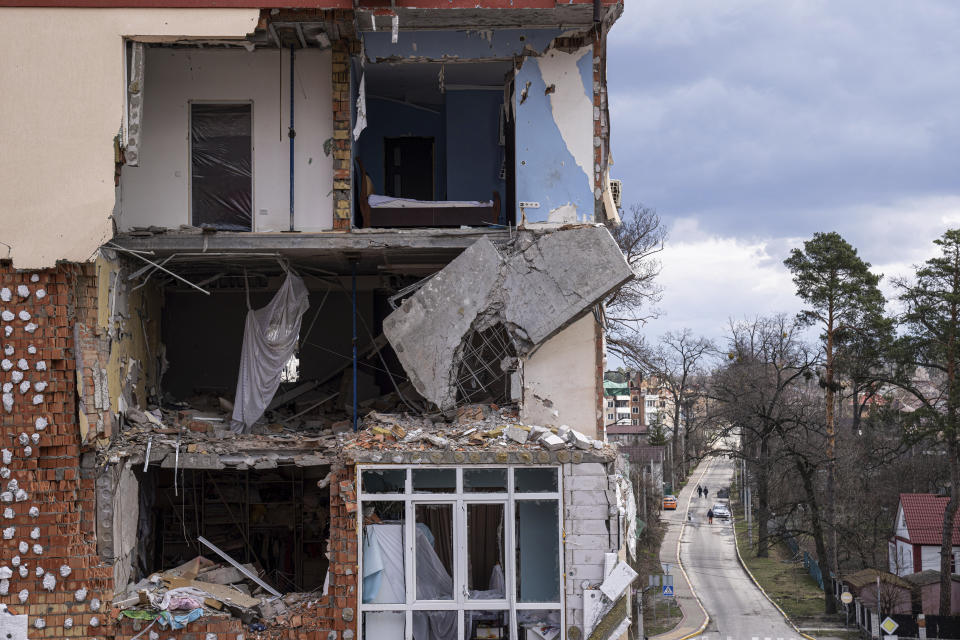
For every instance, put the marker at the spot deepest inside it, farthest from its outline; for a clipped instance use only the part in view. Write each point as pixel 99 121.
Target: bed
pixel 385 211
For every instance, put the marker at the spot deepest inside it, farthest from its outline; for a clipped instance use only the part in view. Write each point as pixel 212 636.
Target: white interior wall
pixel 158 191
pixel 560 380
pixel 63 84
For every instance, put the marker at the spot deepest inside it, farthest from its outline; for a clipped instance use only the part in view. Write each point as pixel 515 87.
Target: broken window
pixel 484 558
pixel 221 180
pixel 489 358
pixel 276 521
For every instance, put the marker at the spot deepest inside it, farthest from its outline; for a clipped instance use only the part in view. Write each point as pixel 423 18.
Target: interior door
pixel 409 167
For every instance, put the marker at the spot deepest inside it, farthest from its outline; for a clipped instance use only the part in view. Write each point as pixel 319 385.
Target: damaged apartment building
pixel 301 310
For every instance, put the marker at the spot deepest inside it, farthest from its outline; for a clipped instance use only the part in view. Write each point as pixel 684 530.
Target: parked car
pixel 670 502
pixel 721 512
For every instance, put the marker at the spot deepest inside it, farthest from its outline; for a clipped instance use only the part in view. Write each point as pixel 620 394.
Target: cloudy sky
pixel 749 125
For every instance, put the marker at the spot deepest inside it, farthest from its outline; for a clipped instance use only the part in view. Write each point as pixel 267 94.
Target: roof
pixel 923 513
pixel 643 453
pixel 865 577
pixel 625 429
pixel 615 388
pixel 923 578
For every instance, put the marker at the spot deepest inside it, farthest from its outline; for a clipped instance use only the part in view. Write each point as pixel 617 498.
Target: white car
pixel 721 512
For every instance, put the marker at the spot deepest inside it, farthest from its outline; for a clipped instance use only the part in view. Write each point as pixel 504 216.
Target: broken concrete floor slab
pixel 535 287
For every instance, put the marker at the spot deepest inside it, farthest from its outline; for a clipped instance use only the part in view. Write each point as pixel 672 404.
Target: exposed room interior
pixel 209 128
pixel 276 520
pixel 437 149
pixel 196 363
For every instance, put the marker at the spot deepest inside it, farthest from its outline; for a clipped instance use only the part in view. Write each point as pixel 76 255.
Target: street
pixel 737 608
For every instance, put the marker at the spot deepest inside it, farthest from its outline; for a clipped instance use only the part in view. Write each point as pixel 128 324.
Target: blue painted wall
pixel 545 167
pixel 474 155
pixel 389 119
pixel 500 44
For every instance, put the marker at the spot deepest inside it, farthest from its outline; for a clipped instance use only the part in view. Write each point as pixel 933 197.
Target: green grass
pixel 664 622
pixel 788 583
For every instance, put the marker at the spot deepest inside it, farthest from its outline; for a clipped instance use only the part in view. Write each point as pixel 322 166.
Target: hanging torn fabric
pixel 269 340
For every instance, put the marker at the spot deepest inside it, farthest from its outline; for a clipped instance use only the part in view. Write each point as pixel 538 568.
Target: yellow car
pixel 669 502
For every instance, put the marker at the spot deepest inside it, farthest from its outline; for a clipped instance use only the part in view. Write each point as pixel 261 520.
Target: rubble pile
pixel 476 426
pixel 202 588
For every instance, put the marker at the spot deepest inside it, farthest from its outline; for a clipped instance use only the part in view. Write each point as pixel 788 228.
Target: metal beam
pixel 242 569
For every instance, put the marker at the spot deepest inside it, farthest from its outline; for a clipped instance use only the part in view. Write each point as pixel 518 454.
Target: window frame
pixel 459 499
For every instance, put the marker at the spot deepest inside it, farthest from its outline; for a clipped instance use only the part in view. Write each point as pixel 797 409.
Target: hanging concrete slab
pixel 535 287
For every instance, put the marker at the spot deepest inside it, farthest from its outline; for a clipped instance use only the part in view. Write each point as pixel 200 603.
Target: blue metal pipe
pixel 355 408
pixel 291 133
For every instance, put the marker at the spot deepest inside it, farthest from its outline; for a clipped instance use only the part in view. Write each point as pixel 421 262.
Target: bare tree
pixel 675 361
pixel 757 399
pixel 641 237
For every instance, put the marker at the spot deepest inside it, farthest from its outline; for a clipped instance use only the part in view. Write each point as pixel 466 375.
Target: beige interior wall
pixel 63 81
pixel 560 380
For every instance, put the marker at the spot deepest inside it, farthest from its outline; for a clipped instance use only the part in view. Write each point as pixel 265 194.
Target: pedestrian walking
pixel 705 492
pixel 710 516
pixel 699 491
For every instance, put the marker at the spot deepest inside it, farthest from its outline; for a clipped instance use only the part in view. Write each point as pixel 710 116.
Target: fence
pixel 937 627
pixel 809 563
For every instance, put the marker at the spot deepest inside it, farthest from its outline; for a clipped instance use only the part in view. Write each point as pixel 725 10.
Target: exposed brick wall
pixel 601 121
pixel 330 617
pixel 49 472
pixel 342 192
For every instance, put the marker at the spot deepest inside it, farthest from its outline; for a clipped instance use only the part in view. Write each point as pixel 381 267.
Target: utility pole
pixel 643 489
pixel 748 507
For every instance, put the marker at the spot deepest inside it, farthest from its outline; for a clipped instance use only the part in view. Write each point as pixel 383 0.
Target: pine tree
pixel 842 298
pixel 932 319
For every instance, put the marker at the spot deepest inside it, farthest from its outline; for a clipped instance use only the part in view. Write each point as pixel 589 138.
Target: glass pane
pixel 486 625
pixel 384 481
pixel 485 579
pixel 382 571
pixel 434 480
pixel 433 625
pixel 485 480
pixel 434 551
pixel 384 625
pixel 538 551
pixel 538 625
pixel 535 480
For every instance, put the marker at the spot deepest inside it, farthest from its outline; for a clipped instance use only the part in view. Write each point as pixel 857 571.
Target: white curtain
pixel 269 340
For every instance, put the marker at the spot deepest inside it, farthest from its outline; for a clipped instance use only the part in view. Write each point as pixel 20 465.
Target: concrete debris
pixel 206 443
pixel 579 440
pixel 533 289
pixel 552 442
pixel 517 433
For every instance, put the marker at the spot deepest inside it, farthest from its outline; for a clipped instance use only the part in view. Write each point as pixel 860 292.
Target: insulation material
pixel 269 340
pixel 361 119
pixel 134 104
pixel 13 627
pixel 221 162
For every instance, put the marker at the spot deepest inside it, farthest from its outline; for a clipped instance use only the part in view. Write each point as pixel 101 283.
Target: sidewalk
pixel 694 616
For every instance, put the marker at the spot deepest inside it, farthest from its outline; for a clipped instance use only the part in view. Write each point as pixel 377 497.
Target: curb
pixel 693 591
pixel 736 546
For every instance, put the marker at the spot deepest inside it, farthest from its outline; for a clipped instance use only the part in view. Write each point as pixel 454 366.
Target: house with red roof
pixel 915 545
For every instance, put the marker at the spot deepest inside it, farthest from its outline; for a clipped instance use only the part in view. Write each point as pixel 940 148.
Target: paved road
pixel 738 610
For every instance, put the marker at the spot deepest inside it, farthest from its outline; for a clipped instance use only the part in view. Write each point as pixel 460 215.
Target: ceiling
pixel 419 82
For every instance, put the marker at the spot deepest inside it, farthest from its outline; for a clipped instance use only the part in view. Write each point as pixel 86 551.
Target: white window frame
pixel 460 499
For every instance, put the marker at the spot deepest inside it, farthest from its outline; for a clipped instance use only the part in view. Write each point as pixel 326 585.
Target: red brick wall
pixel 63 491
pixel 50 474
